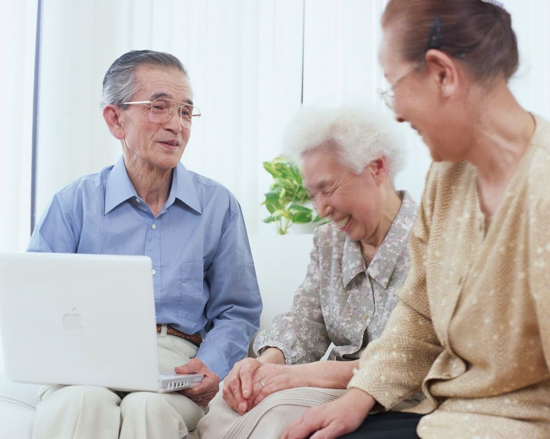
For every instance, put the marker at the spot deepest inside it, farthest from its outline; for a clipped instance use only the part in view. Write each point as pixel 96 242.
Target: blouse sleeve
pixel 300 333
pixel 393 367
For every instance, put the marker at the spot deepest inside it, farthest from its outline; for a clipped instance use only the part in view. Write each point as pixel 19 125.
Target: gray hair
pixel 355 135
pixel 118 83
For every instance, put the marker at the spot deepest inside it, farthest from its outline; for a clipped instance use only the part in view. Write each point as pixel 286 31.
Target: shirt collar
pixel 383 264
pixel 119 188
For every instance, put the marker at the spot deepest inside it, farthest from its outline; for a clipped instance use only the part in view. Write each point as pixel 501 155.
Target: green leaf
pixel 301 217
pixel 269 219
pixel 299 208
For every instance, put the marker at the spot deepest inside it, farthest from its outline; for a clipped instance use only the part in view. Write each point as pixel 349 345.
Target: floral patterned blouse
pixel 342 300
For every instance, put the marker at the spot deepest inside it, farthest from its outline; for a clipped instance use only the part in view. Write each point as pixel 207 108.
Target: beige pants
pixel 88 412
pixel 267 420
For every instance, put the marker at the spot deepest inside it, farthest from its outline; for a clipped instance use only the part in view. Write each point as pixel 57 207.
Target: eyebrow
pixel 167 96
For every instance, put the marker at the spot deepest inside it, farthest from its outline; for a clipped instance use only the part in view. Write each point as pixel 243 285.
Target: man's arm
pixel 234 307
pixel 56 230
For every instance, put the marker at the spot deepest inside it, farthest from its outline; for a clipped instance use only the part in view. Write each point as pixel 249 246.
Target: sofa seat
pixel 17 408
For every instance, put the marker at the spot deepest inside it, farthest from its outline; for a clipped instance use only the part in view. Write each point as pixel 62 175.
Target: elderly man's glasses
pixel 162 110
pixel 388 96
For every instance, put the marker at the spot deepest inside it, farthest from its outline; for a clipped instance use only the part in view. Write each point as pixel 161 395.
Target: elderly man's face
pixel 147 144
pixel 350 200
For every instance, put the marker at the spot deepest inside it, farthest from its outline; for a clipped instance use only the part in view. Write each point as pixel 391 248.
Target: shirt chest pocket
pixel 193 297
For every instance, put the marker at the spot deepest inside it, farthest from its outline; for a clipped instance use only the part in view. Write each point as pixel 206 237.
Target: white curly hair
pixel 355 134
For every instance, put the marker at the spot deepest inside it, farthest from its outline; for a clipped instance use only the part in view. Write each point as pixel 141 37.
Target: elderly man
pixel 206 293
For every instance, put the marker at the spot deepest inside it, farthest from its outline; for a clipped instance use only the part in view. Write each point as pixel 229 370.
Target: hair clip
pixel 434 38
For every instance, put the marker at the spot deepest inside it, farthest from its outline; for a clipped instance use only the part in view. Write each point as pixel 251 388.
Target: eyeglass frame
pixel 178 107
pixel 388 96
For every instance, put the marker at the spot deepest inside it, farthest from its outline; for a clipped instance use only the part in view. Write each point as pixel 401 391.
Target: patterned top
pixel 473 323
pixel 342 300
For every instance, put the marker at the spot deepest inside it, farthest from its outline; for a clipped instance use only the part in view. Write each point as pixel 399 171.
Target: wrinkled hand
pixel 250 381
pixel 277 377
pixel 238 384
pixel 203 393
pixel 334 419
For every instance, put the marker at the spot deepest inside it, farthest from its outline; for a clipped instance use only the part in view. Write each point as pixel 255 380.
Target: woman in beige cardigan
pixel 472 328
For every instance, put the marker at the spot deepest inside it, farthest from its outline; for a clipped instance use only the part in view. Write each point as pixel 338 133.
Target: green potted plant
pixel 287 198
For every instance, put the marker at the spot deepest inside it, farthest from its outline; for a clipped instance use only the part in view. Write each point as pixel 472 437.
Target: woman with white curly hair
pixel 349 157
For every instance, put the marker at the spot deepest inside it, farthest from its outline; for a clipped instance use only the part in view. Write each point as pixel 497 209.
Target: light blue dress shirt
pixel 204 274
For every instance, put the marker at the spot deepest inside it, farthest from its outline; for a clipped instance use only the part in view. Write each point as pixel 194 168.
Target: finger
pixel 246 376
pixel 233 397
pixel 264 389
pixel 195 365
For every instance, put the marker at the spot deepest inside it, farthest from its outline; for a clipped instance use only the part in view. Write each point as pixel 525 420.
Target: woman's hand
pixel 271 378
pixel 202 393
pixel 326 374
pixel 238 385
pixel 334 419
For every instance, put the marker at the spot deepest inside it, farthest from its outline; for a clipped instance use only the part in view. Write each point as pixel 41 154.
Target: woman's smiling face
pixel 350 200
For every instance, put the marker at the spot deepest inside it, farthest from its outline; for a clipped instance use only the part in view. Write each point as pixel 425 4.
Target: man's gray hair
pixel 354 134
pixel 118 83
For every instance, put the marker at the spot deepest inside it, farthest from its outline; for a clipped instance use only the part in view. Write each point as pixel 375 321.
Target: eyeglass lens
pixel 163 109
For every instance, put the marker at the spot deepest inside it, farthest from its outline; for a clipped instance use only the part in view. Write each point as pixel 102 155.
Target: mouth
pixel 343 222
pixel 172 144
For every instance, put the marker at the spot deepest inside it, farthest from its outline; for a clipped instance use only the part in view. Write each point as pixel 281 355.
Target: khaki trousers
pixel 267 420
pixel 89 412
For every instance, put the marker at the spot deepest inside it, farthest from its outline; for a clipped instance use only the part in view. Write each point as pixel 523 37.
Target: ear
pixel 444 70
pixel 112 115
pixel 379 169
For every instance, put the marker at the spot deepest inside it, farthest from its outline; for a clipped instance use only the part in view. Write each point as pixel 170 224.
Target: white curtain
pixel 17 39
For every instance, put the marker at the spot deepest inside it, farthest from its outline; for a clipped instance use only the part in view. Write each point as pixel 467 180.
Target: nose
pixel 175 123
pixel 322 207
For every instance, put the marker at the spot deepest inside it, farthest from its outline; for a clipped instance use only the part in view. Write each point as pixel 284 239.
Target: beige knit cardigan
pixel 473 325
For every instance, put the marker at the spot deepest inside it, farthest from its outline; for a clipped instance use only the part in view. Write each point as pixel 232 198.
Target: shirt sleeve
pixel 57 231
pixel 538 257
pixel 234 307
pixel 300 333
pixel 393 367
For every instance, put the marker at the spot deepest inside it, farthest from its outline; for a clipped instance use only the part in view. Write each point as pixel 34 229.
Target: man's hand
pixel 203 393
pixel 334 419
pixel 238 385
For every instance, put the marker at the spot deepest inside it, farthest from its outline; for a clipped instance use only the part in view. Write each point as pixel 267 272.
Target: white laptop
pixel 82 319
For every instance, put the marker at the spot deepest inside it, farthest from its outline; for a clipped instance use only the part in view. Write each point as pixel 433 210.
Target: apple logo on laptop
pixel 72 322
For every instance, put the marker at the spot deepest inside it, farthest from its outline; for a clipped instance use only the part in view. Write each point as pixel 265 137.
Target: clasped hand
pixel 250 381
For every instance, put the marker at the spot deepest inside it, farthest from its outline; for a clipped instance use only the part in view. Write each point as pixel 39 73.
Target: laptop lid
pixel 79 319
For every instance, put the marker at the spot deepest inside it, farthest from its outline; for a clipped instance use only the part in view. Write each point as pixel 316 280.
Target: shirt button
pixel 153 226
pixel 154 271
pixel 364 317
pixel 137 200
